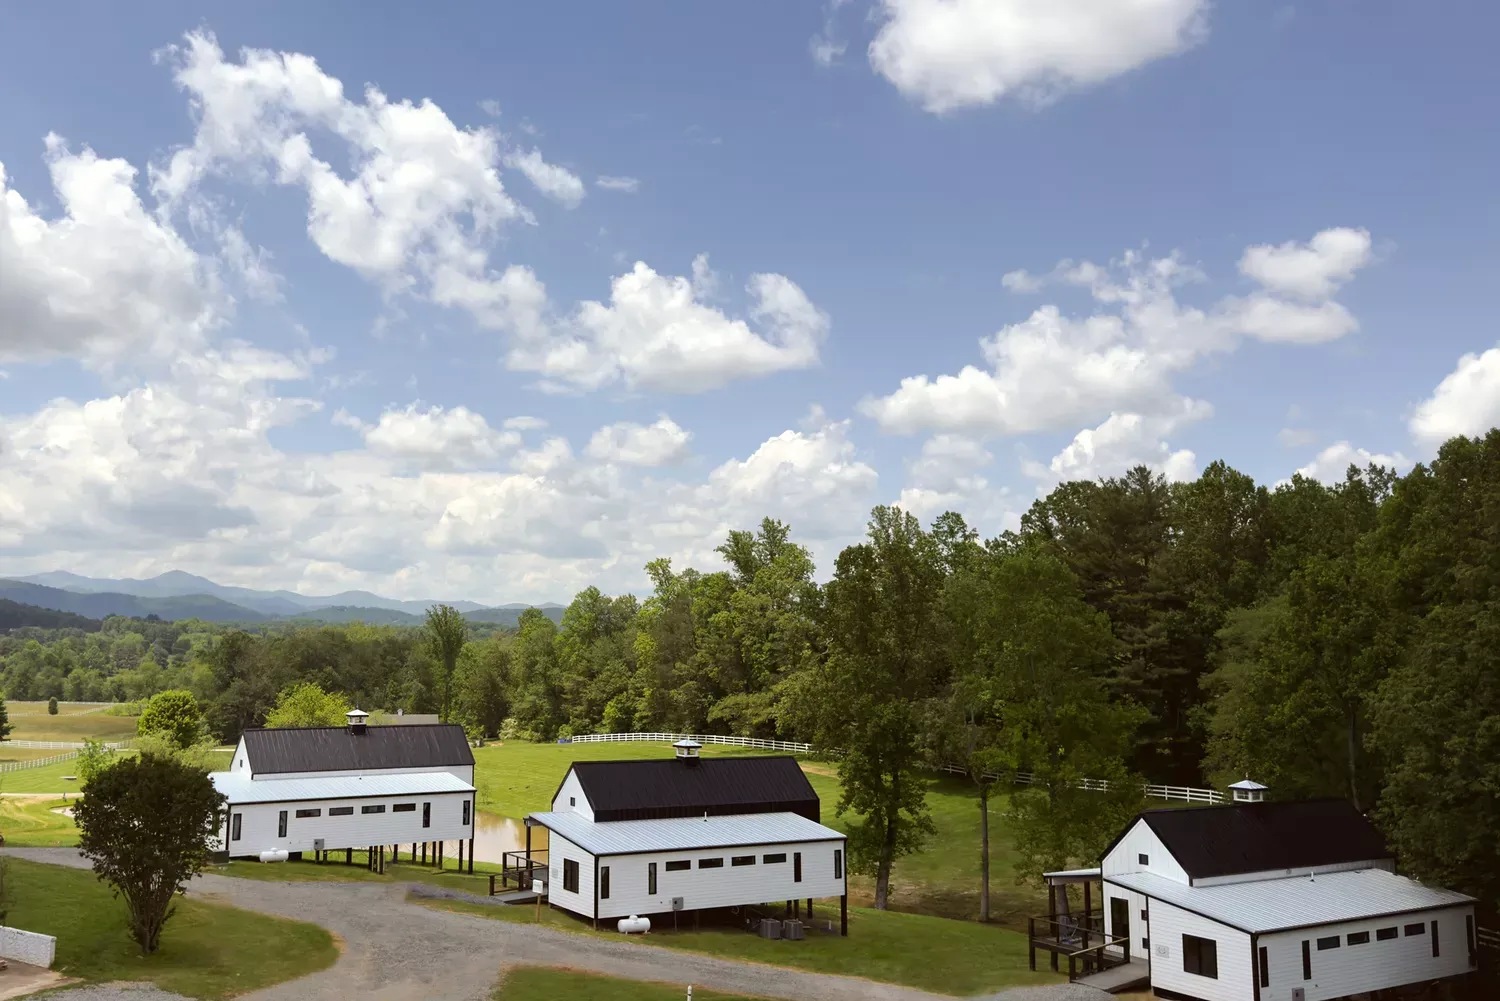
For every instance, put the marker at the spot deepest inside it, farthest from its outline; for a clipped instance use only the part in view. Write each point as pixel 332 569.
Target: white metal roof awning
pixel 1267 905
pixel 633 837
pixel 239 789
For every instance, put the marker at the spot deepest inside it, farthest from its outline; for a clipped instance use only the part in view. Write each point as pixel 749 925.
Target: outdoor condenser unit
pixel 791 930
pixel 770 928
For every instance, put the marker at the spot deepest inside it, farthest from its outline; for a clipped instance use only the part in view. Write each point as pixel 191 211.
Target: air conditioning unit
pixel 770 928
pixel 791 930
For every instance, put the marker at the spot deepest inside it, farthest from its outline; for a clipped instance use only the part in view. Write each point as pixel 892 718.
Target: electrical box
pixel 317 844
pixel 676 903
pixel 1299 994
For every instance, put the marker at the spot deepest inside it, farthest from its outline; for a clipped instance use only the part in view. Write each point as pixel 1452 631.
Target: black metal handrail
pixel 1094 956
pixel 522 867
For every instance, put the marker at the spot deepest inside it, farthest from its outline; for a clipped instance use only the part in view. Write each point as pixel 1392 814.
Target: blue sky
pixel 576 285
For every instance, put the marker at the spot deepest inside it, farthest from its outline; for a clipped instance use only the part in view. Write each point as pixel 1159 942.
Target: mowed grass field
pixel 63 708
pixel 530 983
pixel 207 951
pixel 517 778
pixel 33 822
pixel 53 778
pixel 68 726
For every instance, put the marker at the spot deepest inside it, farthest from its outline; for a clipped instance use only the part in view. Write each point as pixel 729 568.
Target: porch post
pixel 471 855
pixel 844 915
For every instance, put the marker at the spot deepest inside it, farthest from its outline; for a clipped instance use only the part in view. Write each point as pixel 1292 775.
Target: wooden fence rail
pixel 62 745
pixel 17 766
pixel 1152 790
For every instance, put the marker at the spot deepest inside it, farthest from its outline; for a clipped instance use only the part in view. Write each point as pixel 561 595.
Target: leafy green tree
pixel 447 632
pixel 870 697
pixel 173 714
pixel 145 825
pixel 93 758
pixel 52 706
pixel 306 704
pixel 5 724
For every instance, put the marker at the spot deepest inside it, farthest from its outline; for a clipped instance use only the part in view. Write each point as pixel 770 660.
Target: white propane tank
pixel 634 924
pixel 279 855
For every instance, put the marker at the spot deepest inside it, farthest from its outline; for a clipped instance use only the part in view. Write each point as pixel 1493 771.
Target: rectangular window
pixel 281 824
pixel 466 813
pixel 340 811
pixel 1434 940
pixel 796 867
pixel 572 800
pixel 1331 942
pixel 234 827
pixel 1200 956
pixel 570 875
pixel 1385 934
pixel 404 808
pixel 651 878
pixel 373 808
pixel 1359 938
pixel 1473 945
pixel 773 859
pixel 426 814
pixel 1143 914
pixel 1416 929
pixel 1306 960
pixel 742 860
pixel 604 882
pixel 838 863
pixel 711 863
pixel 1265 968
pixel 1143 859
pixel 304 814
pixel 679 865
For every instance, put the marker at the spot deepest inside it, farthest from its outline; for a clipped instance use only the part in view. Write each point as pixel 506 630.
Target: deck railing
pixel 522 868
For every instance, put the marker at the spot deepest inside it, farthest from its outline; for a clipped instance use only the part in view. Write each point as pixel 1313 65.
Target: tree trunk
pixel 984 852
pixel 883 871
pixel 1353 748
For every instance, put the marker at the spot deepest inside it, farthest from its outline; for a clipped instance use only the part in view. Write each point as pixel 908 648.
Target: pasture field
pixel 69 726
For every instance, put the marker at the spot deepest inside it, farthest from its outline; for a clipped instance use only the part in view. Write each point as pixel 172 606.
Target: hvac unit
pixel 791 930
pixel 770 928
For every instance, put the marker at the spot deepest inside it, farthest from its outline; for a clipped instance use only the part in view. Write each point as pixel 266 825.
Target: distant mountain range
pixel 179 595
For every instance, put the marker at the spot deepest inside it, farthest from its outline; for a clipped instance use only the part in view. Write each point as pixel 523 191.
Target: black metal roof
pixel 337 749
pixel 1261 837
pixel 669 787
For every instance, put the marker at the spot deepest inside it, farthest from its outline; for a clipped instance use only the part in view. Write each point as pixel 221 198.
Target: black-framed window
pixel 711 863
pixel 1265 967
pixel 281 824
pixel 1143 858
pixel 341 811
pixel 679 865
pixel 570 875
pixel 572 800
pixel 404 808
pixel 372 808
pixel 773 858
pixel 1200 956
pixel 304 814
pixel 1417 929
pixel 838 863
pixel 466 813
pixel 1329 942
pixel 234 827
pixel 796 867
pixel 1386 934
pixel 1359 938
pixel 1473 942
pixel 1306 960
pixel 1435 952
pixel 426 814
pixel 742 860
pixel 604 882
pixel 651 878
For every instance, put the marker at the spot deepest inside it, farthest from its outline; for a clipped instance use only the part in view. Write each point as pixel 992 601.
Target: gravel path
pixel 394 950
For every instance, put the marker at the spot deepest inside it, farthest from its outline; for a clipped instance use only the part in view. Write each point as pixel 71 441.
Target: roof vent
pixel 687 751
pixel 357 719
pixel 1248 792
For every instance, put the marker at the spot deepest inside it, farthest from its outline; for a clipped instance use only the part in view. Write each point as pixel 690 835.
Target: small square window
pixel 1143 914
pixel 1330 942
pixel 1385 934
pixel 1416 929
pixel 1143 859
pixel 1200 956
pixel 711 863
pixel 572 800
pixel 1359 938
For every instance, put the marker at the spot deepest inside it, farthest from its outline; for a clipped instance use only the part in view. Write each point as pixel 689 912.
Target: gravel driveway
pixel 394 950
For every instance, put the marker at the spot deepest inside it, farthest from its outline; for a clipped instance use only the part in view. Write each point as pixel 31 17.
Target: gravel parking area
pixel 116 992
pixel 394 950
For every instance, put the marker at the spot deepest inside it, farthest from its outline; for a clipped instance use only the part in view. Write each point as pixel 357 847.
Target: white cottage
pixel 311 789
pixel 1276 901
pixel 687 834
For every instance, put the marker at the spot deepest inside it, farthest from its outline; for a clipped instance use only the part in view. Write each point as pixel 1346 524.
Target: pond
pixel 494 835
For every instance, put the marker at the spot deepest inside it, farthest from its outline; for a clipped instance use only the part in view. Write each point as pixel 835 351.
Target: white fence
pixel 17 766
pixel 60 745
pixel 27 947
pixel 1153 790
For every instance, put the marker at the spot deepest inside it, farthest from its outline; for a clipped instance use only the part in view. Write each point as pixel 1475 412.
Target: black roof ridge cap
pixel 333 726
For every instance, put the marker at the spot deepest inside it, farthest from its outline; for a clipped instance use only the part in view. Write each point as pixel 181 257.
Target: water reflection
pixel 493 836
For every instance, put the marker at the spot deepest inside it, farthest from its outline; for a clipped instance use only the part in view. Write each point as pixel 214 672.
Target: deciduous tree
pixel 306 704
pixel 447 632
pixel 173 714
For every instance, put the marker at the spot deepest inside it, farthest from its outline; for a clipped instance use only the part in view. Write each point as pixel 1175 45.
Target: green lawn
pixel 337 872
pixel 935 954
pixel 71 726
pixel 31 823
pixel 63 708
pixel 530 983
pixel 207 951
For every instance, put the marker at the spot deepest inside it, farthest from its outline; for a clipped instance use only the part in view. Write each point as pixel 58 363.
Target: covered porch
pixel 1075 934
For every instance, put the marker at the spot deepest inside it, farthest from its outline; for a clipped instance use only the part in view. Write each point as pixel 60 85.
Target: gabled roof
pixel 680 834
pixel 240 789
pixel 1261 837
pixel 336 749
pixel 667 787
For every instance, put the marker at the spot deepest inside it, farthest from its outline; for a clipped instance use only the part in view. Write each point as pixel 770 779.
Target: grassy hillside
pixel 70 726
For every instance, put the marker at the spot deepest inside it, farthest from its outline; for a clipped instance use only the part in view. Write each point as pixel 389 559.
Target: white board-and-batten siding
pixel 728 886
pixel 1142 840
pixel 1377 964
pixel 1168 925
pixel 260 822
pixel 570 797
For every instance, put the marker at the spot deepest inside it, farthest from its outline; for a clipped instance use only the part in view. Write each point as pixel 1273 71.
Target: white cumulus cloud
pixel 1330 465
pixel 438 437
pixel 949 54
pixel 1466 402
pixel 558 183
pixel 657 444
pixel 1123 441
pixel 629 185
pixel 1312 270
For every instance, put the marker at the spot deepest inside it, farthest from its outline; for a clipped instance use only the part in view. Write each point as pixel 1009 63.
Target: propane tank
pixel 279 855
pixel 634 924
